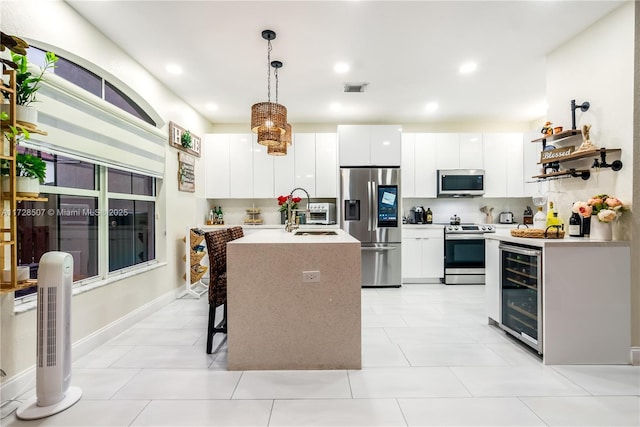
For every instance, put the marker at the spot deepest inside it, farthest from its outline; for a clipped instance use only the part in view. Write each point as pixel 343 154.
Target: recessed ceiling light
pixel 341 67
pixel 386 143
pixel 335 106
pixel 211 107
pixel 174 69
pixel 468 68
pixel 431 107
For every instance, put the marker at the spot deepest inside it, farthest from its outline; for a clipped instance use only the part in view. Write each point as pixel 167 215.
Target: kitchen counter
pixel 279 321
pixel 586 289
pixel 566 242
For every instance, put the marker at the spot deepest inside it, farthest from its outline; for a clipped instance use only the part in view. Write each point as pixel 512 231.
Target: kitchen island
pixel 294 300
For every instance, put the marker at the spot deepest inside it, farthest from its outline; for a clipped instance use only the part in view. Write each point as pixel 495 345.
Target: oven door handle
pixel 464 237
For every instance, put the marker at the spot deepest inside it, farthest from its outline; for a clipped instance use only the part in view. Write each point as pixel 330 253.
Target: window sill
pixel 31 305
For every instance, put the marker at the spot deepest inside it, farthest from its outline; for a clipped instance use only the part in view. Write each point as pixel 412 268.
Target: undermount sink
pixel 316 233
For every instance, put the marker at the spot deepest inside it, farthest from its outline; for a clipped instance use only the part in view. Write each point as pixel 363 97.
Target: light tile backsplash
pixel 468 209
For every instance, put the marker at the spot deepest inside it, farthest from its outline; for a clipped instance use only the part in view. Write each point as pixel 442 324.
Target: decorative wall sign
pixel 186 173
pixel 548 156
pixel 183 139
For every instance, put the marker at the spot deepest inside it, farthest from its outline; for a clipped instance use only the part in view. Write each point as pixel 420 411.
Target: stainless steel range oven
pixel 464 253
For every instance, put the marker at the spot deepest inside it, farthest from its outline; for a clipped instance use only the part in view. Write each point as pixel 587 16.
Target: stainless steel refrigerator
pixel 370 211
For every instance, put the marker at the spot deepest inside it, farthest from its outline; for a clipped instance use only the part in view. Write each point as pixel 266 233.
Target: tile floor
pixel 429 359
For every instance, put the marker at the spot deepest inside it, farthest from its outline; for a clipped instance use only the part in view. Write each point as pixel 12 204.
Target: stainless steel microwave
pixel 460 182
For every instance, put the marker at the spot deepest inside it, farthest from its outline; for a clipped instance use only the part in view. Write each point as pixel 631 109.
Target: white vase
pixel 27 187
pixel 28 115
pixel 601 230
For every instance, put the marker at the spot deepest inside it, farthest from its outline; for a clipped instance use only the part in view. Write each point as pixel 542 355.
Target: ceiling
pixel 408 52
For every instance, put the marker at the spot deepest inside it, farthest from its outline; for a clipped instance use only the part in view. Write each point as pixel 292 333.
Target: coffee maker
pixel 417 215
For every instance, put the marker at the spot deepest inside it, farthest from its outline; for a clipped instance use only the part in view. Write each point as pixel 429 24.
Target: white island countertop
pixel 281 236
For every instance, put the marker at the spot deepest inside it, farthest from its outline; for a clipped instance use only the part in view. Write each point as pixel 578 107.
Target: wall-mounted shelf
pixel 582 173
pixel 584 154
pixel 558 136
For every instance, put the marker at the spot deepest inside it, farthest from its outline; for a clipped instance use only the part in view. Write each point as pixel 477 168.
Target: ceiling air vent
pixel 355 87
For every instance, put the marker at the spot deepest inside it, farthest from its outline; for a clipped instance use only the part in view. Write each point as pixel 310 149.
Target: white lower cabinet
pixel 492 279
pixel 422 255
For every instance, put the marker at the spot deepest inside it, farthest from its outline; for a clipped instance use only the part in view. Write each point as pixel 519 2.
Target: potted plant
pixel 13 134
pixel 30 173
pixel 185 139
pixel 27 85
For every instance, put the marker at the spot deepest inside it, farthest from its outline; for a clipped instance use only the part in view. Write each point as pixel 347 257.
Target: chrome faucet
pixel 291 223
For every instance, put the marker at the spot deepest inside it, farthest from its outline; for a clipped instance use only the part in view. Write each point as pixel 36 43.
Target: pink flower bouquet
pixel 606 208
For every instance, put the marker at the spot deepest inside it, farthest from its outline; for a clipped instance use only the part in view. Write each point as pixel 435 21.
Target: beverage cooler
pixel 521 293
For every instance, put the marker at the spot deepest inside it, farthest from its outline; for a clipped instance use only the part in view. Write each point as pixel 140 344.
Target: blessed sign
pixel 181 138
pixel 549 156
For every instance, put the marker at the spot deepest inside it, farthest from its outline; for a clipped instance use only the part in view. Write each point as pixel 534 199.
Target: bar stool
pixel 217 248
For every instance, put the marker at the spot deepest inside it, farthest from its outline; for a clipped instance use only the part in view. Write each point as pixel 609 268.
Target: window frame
pixel 101 193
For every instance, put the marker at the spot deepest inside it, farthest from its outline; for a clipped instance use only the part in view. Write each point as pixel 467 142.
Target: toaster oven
pixel 322 213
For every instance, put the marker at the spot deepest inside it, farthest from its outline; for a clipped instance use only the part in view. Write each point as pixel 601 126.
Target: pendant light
pixel 279 148
pixel 268 119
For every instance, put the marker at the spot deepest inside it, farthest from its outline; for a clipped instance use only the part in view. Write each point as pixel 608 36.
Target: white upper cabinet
pixel 447 151
pixel 503 164
pixel 407 165
pixel 531 157
pixel 459 151
pixel 215 152
pixel 263 172
pixel 353 143
pixel 515 166
pixel 283 172
pixel 425 165
pixel 326 165
pixel 471 151
pixel 385 145
pixel 369 145
pixel 241 166
pixel 305 162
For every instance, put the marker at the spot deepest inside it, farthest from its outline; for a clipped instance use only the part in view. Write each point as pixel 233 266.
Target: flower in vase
pixel 283 202
pixel 606 208
pixel 582 208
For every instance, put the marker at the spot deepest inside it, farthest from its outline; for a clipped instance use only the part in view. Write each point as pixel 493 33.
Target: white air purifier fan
pixel 53 347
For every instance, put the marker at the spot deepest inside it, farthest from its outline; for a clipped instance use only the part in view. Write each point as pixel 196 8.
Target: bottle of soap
pixel 540 219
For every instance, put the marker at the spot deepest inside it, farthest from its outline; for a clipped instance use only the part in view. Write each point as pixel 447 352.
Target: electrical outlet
pixel 310 276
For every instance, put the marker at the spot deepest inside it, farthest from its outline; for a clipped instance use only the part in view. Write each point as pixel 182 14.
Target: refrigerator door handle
pixel 369 204
pixel 374 206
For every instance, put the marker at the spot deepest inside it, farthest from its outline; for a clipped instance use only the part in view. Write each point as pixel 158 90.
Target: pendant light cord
pixel 276 74
pixel 269 70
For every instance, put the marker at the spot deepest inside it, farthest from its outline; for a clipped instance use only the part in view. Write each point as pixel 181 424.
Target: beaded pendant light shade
pixel 283 140
pixel 277 150
pixel 268 118
pixel 287 134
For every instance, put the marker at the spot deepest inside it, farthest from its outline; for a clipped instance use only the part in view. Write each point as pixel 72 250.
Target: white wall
pixel 40 23
pixel 598 66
